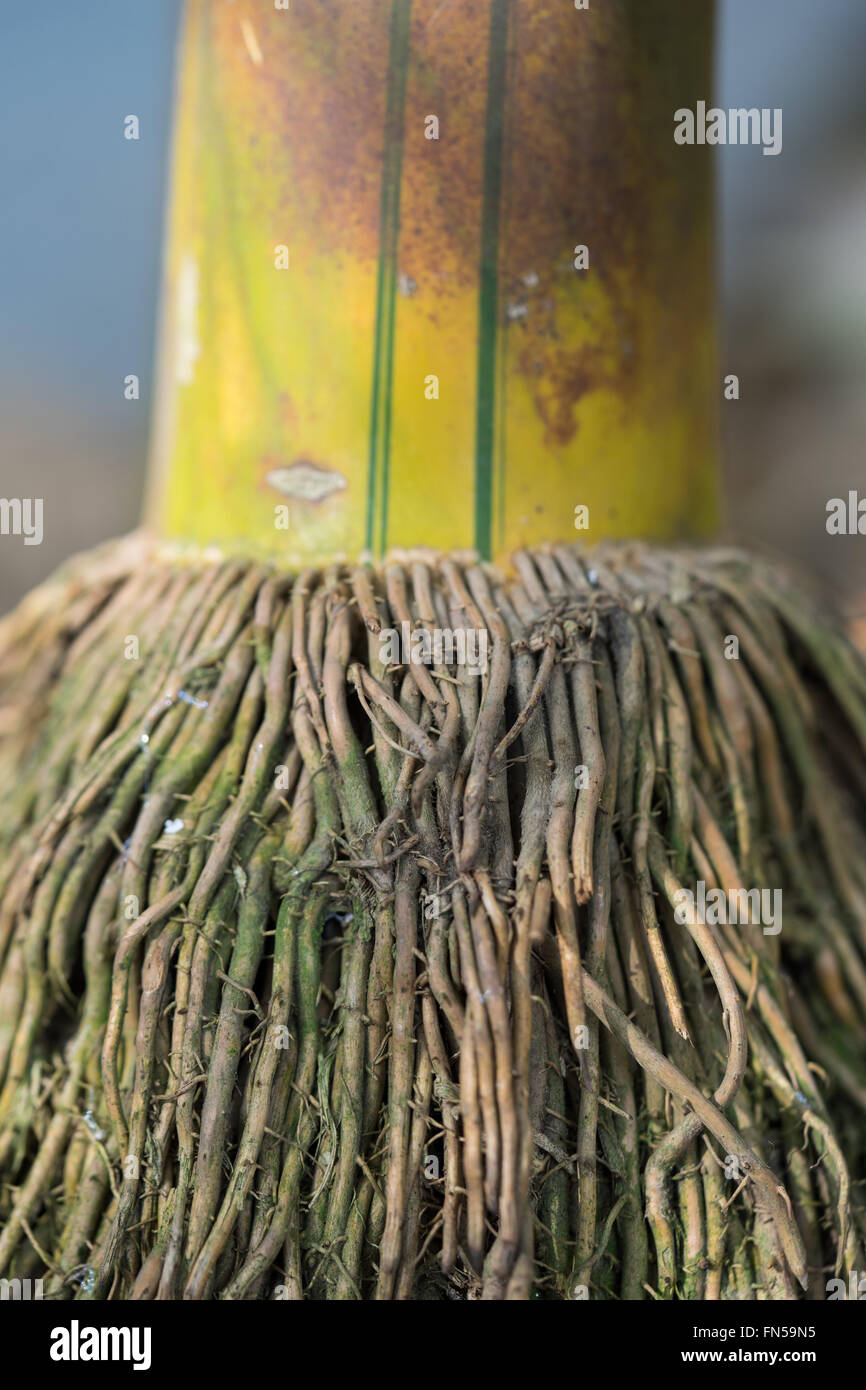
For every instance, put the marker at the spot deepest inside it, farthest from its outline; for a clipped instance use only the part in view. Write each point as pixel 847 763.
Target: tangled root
pixel 334 973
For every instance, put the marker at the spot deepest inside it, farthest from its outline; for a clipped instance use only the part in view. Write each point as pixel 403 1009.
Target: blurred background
pixel 81 226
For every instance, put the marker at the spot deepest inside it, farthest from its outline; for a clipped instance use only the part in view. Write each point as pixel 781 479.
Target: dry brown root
pixel 334 967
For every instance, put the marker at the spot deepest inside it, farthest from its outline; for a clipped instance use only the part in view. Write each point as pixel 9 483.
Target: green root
pixel 346 948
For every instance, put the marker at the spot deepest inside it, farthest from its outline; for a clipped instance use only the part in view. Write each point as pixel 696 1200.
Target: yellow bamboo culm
pixel 436 277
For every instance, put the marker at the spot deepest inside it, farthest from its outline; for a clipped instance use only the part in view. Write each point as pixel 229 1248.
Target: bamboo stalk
pixel 425 362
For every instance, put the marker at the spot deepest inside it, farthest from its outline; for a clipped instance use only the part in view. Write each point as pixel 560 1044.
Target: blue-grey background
pixel 81 217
